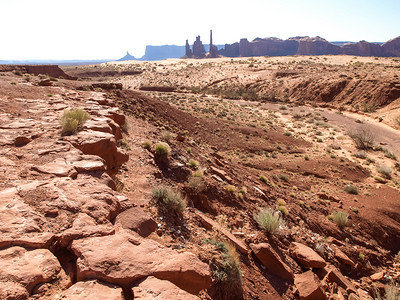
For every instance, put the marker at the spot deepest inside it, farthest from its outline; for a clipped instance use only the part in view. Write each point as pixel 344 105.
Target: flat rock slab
pixel 309 286
pixel 93 289
pixel 58 167
pixel 306 256
pixel 28 268
pixel 271 260
pixel 154 288
pixel 125 257
pixel 20 224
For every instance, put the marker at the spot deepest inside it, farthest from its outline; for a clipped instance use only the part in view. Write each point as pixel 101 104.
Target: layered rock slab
pixel 27 268
pixel 92 289
pixel 126 257
pixel 309 286
pixel 153 288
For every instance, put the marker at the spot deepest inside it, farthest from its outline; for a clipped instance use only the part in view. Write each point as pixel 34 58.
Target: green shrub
pixel 269 220
pixel 162 150
pixel 194 163
pixel 230 188
pixel 72 119
pixel 169 199
pixel 263 179
pixel 340 218
pixel 385 171
pixel 351 189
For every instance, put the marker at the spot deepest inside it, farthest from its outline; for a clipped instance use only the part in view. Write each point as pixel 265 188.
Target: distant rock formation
pixel 392 47
pixel 316 46
pixel 198 49
pixel 188 51
pixel 213 49
pixel 308 46
pixel 127 57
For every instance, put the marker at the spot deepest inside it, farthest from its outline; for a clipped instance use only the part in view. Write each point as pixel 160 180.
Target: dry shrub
pixel 162 150
pixel 72 119
pixel 269 220
pixel 169 199
pixel 363 138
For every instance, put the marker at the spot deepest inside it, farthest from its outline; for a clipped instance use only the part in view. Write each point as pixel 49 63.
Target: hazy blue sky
pixel 95 29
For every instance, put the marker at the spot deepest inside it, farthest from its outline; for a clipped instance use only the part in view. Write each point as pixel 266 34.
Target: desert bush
pixel 363 138
pixel 230 188
pixel 391 293
pixel 269 220
pixel 385 171
pixel 263 179
pixel 284 211
pixel 166 136
pixel 389 154
pixel 72 119
pixel 361 154
pixel 169 199
pixel 229 277
pixel 146 144
pixel 397 120
pixel 162 150
pixel 340 218
pixel 196 183
pixel 194 163
pixel 351 189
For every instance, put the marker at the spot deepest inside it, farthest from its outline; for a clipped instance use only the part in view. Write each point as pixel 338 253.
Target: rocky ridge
pixel 59 204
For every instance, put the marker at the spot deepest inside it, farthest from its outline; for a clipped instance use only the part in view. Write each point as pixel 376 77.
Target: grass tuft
pixel 169 199
pixel 72 119
pixel 269 220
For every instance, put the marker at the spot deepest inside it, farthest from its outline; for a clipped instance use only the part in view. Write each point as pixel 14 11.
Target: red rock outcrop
pixel 198 49
pixel 51 70
pixel 363 48
pixel 126 257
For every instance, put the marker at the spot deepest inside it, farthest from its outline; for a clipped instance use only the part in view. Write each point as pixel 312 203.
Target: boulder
pixel 306 256
pixel 377 276
pixel 137 220
pixel 154 288
pixel 271 260
pixel 126 257
pixel 12 291
pixel 93 289
pixel 28 268
pixel 309 287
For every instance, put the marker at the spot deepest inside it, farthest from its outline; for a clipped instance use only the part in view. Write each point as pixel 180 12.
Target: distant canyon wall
pixel 308 46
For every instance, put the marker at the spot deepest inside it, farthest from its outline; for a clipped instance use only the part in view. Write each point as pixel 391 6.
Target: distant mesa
pixel 127 57
pixel 300 45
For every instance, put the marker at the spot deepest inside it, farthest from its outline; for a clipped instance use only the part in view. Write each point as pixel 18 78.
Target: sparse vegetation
pixel 385 171
pixel 363 138
pixel 194 163
pixel 196 183
pixel 340 218
pixel 269 220
pixel 166 136
pixel 146 144
pixel 351 189
pixel 169 199
pixel 72 119
pixel 162 150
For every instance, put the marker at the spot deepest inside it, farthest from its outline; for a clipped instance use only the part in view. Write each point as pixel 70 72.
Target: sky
pixel 98 29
